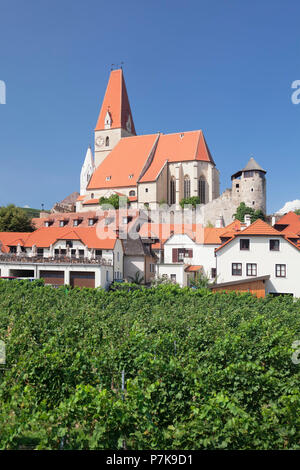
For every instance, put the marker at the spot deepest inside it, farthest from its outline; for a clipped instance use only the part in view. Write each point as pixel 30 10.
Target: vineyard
pixel 136 368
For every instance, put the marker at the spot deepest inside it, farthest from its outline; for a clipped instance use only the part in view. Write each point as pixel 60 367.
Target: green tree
pixel 194 200
pixel 297 211
pixel 13 219
pixel 113 200
pixel 242 210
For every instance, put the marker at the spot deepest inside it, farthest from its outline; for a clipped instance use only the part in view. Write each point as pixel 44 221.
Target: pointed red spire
pixel 115 106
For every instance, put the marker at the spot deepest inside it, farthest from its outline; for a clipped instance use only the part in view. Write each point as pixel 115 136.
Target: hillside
pixel 201 370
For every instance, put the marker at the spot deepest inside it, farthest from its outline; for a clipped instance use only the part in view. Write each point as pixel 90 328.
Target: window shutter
pixel 175 255
pixel 190 253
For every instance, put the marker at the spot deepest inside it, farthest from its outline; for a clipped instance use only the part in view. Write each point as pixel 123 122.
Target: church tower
pixel 87 170
pixel 115 119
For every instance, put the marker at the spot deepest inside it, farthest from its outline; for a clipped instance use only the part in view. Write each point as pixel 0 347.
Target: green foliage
pixel 113 200
pixel 297 211
pixel 137 278
pixel 209 224
pixel 14 219
pixel 201 281
pixel 202 370
pixel 193 201
pixel 242 210
pixel 32 212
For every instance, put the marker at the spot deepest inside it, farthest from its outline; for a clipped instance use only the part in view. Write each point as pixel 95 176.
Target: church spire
pixel 115 112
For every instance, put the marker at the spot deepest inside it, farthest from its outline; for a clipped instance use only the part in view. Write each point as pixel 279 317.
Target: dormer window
pixel 108 178
pixel 130 176
pixel 91 221
pixel 131 193
pixel 107 122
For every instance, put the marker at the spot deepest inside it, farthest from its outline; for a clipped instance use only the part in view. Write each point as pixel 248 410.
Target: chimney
pixel 247 219
pixel 219 222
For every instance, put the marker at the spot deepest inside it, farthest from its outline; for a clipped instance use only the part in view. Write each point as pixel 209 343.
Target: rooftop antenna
pixel 112 66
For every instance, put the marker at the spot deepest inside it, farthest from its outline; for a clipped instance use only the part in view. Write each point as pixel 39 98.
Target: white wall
pixel 265 259
pixel 203 255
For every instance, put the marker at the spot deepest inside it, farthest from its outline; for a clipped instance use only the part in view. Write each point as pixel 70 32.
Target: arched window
pixel 107 141
pixel 131 193
pixel 201 189
pixel 92 196
pixel 172 191
pixel 187 187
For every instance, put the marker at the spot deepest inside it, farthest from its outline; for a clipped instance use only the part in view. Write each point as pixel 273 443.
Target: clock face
pixel 99 141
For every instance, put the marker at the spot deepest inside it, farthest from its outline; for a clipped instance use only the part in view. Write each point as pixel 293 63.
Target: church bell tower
pixel 115 119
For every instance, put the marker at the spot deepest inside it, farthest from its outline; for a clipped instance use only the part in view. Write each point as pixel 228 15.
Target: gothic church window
pixel 187 187
pixel 172 191
pixel 201 189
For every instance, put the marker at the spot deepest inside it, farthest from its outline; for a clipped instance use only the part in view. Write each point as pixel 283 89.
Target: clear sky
pixel 223 66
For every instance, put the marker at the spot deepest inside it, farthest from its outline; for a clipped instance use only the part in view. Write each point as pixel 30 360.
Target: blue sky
pixel 225 67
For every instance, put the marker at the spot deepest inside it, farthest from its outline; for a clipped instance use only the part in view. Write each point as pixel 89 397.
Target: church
pixel 156 169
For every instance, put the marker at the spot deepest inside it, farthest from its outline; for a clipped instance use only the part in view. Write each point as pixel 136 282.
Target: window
pixel 248 174
pixel 201 189
pixel 69 243
pixel 172 191
pixel 146 190
pixel 92 196
pixel 186 187
pixel 237 185
pixel 213 272
pixel 244 244
pixel 107 275
pixel 40 251
pixel 73 253
pixel 81 253
pixel 75 223
pixel 251 269
pixel 131 176
pixel 98 252
pixel 280 270
pixel 131 193
pixel 152 268
pixel 61 223
pixel 13 249
pixel 236 269
pixel 91 221
pixel 173 277
pixel 118 256
pixel 108 178
pixel 274 245
pixel 107 142
pixel 178 254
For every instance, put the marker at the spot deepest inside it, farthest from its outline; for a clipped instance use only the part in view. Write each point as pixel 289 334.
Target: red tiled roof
pixel 193 268
pixel 178 147
pixel 116 102
pixel 80 198
pixel 259 227
pixel 91 201
pixel 12 239
pixel 124 163
pixel 44 237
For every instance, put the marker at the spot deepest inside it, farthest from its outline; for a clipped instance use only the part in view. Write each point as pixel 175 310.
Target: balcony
pixel 12 258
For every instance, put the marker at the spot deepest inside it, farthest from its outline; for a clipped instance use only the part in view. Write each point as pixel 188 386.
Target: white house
pixel 260 251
